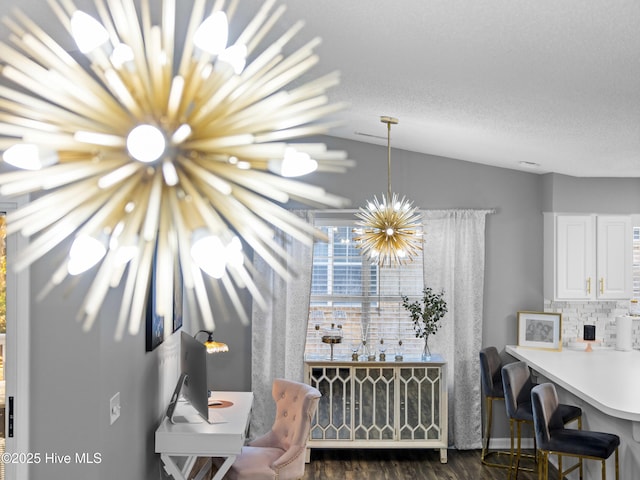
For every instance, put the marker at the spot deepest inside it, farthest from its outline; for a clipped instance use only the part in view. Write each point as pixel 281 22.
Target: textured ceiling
pixel 494 81
pixel 499 82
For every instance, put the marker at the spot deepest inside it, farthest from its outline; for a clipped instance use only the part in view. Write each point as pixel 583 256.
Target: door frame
pixel 17 347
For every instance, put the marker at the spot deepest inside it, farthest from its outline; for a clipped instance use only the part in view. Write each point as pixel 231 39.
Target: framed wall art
pixel 540 330
pixel 157 327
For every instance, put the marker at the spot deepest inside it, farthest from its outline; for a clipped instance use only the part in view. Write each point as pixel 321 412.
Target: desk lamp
pixel 211 345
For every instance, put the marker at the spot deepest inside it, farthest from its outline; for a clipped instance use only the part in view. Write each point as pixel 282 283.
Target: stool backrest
pixel 517 382
pixel 491 372
pixel 546 415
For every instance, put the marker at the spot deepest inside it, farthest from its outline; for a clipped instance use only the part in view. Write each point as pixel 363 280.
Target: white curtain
pixel 278 332
pixel 454 255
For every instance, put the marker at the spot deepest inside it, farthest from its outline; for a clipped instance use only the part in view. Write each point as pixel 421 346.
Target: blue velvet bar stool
pixel 517 384
pixel 553 439
pixel 492 390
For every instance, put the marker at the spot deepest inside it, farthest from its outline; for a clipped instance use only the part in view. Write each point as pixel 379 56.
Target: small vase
pixel 426 353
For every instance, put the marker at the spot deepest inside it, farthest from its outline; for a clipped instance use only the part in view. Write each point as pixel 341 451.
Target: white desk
pixel 604 383
pixel 193 440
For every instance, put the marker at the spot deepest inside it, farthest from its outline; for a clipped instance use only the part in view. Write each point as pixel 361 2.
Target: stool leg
pixel 519 448
pixel 581 471
pixel 617 466
pixel 487 435
pixel 559 467
pixel 511 459
pixel 544 468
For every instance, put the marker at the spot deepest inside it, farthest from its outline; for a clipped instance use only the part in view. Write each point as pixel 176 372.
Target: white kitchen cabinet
pixel 587 257
pixel 379 404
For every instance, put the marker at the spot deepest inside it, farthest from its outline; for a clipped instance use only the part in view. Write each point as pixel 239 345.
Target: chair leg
pixel 617 465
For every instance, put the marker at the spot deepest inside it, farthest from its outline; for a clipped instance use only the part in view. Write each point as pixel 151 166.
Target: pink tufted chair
pixel 280 453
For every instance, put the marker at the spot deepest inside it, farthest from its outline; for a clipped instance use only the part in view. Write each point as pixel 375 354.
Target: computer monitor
pixel 192 385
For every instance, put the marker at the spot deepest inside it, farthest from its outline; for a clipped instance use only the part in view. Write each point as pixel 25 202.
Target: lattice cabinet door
pixel 420 406
pixel 333 417
pixel 374 403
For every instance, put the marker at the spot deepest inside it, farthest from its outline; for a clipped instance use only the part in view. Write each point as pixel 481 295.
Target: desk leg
pixel 171 467
pixel 224 467
pixel 206 468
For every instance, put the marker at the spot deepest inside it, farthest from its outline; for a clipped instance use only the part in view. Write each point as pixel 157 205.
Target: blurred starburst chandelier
pixel 389 230
pixel 161 152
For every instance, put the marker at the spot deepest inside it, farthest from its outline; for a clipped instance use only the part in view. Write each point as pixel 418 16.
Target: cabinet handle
pixel 601 285
pixel 589 286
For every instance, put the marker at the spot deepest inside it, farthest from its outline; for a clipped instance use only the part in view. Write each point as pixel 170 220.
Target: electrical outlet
pixel 114 408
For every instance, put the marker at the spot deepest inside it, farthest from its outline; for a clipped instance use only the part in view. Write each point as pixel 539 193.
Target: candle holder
pixel 399 351
pixel 382 349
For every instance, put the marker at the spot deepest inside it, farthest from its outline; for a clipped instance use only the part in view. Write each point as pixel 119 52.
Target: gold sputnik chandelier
pixel 389 230
pixel 161 151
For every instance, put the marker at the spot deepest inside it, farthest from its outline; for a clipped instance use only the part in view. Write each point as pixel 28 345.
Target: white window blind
pixel 362 299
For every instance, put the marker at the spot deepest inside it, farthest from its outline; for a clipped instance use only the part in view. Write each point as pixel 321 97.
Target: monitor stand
pixel 176 399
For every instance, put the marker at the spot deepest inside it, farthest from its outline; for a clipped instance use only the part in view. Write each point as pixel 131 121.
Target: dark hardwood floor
pixel 358 464
pixel 400 464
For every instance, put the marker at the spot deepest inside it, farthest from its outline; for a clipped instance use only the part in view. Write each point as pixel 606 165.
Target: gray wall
pixel 592 195
pixel 74 373
pixel 513 278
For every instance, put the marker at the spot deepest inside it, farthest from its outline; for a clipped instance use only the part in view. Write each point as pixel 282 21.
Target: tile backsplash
pixel 601 314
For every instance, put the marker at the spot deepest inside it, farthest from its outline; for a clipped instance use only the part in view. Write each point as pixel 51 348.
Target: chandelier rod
pixel 389 121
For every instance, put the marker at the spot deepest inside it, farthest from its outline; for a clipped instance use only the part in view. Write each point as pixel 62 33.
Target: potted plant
pixel 426 315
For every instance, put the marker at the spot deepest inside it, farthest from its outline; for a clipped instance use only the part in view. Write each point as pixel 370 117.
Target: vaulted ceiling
pixel 542 86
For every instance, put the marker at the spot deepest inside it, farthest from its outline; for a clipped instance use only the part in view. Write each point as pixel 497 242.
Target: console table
pixel 373 404
pixel 224 438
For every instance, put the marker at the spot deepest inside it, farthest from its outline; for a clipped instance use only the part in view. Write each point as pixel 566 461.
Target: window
pixel 359 297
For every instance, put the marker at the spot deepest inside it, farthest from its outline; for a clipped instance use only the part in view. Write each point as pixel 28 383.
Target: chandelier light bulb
pixel 235 56
pixel 88 33
pixel 389 231
pixel 208 253
pixel 121 55
pixel 293 164
pixel 235 257
pixel 28 156
pixel 85 252
pixel 146 143
pixel 212 34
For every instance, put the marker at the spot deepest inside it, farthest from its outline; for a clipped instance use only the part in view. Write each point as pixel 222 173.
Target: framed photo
pixel 540 330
